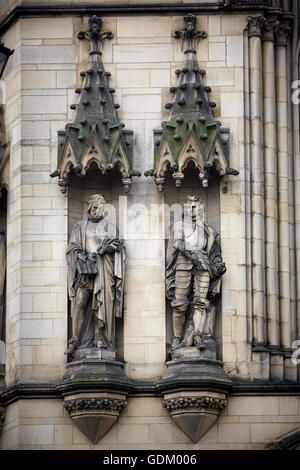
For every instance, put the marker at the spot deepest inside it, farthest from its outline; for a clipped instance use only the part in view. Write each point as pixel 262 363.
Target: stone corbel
pixel 95 392
pixel 194 413
pixel 194 391
pixel 95 413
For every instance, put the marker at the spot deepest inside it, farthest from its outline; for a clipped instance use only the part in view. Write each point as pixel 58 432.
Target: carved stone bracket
pixel 195 414
pixel 95 413
pixel 194 391
pixel 95 393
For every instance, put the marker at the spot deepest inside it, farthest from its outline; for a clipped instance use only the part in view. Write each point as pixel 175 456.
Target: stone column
pixel 271 211
pixel 296 150
pixel 283 188
pixel 257 184
pixel 294 335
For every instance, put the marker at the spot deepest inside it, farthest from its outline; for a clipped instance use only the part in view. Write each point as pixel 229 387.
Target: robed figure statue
pixel 193 278
pixel 96 262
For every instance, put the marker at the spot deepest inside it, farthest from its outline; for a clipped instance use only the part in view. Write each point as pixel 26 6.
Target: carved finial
pixel 189 33
pixel 94 34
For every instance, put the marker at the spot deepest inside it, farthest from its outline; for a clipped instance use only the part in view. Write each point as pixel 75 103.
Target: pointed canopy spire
pixel 96 134
pixel 191 93
pixel 191 133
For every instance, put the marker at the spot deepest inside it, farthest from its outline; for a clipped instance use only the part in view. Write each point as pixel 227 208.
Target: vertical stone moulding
pixel 95 386
pixel 194 385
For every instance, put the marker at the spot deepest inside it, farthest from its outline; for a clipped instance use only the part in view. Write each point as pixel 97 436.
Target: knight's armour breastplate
pixel 195 239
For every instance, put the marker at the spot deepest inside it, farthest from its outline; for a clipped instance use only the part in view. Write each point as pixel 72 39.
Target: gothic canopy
pixel 191 133
pixel 96 136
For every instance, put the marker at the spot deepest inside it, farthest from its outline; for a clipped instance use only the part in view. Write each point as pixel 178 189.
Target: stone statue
pixel 2 281
pixel 193 278
pixel 96 261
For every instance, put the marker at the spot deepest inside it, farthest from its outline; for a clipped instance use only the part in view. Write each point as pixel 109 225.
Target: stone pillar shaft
pixel 283 189
pixel 296 156
pixel 270 168
pixel 257 188
pixel 291 198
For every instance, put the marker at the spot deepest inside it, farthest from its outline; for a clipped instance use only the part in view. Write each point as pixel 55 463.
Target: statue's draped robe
pixel 108 284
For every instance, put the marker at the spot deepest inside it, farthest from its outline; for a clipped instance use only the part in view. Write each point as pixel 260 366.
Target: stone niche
pixel 80 188
pixel 211 198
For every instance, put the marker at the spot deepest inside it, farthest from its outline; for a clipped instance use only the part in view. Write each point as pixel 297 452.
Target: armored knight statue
pixel 193 278
pixel 95 258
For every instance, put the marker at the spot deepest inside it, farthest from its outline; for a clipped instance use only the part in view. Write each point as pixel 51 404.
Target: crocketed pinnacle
pixel 96 134
pixel 191 133
pixel 191 107
pixel 96 111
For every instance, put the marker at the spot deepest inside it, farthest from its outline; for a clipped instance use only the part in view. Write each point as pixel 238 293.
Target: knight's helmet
pixel 194 210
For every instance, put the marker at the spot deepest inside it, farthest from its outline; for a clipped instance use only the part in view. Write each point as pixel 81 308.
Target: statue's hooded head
pixel 96 204
pixel 194 209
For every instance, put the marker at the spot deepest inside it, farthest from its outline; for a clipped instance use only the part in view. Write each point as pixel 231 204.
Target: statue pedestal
pixel 194 390
pixel 94 353
pixel 195 353
pixel 95 389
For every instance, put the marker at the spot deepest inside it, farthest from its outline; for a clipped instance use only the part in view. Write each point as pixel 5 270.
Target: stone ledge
pixel 141 389
pixel 88 9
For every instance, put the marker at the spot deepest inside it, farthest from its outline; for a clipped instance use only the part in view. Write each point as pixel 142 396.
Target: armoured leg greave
pixel 180 302
pixel 201 286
